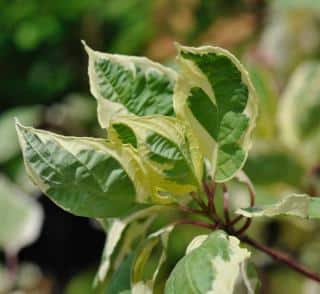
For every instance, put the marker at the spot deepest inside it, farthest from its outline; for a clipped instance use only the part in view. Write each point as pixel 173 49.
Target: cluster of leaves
pixel 167 133
pixel 41 37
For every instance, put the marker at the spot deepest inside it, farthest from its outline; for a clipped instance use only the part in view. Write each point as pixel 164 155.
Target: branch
pixel 226 203
pixel 282 257
pixel 245 226
pixel 190 210
pixel 198 200
pixel 197 223
pixel 210 190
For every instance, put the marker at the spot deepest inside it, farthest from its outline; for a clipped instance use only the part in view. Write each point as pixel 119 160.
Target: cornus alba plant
pixel 174 139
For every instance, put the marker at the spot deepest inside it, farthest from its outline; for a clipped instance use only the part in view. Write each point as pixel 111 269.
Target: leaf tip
pixel 86 47
pixel 18 124
pixel 178 46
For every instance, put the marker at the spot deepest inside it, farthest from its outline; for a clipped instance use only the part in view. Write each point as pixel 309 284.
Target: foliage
pixel 172 139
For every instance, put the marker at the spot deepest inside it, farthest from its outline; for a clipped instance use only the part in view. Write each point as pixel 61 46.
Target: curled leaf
pixel 300 205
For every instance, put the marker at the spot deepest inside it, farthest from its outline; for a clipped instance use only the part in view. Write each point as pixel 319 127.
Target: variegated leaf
pixel 148 261
pixel 214 95
pixel 299 119
pixel 129 85
pixel 170 152
pixel 212 266
pixel 122 233
pixel 85 176
pixel 119 282
pixel 300 205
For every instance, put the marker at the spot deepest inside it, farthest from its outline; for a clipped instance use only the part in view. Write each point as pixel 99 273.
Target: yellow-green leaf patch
pixel 129 85
pixel 86 176
pixel 300 205
pixel 169 151
pixel 211 266
pixel 215 96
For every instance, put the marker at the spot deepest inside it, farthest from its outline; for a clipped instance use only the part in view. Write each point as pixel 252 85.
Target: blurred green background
pixel 44 83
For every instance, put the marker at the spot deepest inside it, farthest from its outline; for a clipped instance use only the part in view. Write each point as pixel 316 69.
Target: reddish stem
pixel 252 194
pixel 226 203
pixel 245 226
pixel 235 220
pixel 210 210
pixel 198 200
pixel 197 223
pixel 210 190
pixel 282 257
pixel 190 210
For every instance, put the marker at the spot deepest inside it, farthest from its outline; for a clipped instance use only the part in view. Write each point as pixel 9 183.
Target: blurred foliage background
pixel 44 83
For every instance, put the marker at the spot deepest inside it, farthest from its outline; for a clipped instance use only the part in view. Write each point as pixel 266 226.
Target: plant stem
pixel 228 226
pixel 197 223
pixel 244 227
pixel 282 257
pixel 198 200
pixel 191 210
pixel 226 203
pixel 210 190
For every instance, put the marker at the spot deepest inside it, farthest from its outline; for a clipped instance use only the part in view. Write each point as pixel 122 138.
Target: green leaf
pixel 300 205
pixel 85 176
pixel 120 280
pixel 299 120
pixel 148 261
pixel 10 146
pixel 21 217
pixel 211 265
pixel 121 235
pixel 170 153
pixel 129 85
pixel 215 96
